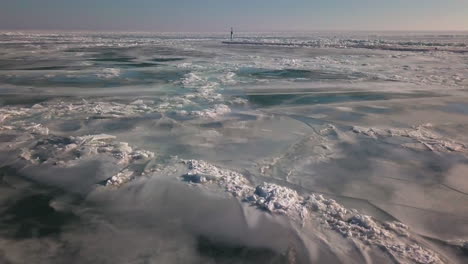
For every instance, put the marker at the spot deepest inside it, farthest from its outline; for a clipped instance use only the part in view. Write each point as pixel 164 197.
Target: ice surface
pixel 165 140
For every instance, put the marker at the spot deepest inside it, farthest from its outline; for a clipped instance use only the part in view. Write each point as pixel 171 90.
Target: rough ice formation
pixel 108 73
pixel 66 151
pixel 203 172
pixel 7 113
pixel 121 178
pixel 29 127
pixel 106 110
pixel 202 99
pixel 3 117
pixel 392 237
pixel 121 151
pixel 278 199
pixel 38 129
pixel 214 112
pixel 38 147
pixel 191 79
pixel 228 78
pixel 51 110
pixel 123 154
pixel 421 134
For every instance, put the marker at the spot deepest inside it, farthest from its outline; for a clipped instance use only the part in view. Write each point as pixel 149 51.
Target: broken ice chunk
pixel 121 178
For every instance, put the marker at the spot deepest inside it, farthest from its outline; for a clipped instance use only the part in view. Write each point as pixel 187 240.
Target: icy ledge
pixel 392 237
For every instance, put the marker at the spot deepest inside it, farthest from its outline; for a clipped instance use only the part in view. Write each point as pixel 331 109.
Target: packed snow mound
pixel 392 237
pixel 421 134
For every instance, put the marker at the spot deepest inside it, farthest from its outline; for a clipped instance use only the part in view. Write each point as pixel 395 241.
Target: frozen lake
pixel 177 148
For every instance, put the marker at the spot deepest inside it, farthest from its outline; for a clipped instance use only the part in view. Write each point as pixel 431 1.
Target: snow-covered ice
pixel 343 147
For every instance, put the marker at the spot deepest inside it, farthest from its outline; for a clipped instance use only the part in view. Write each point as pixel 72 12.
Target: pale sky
pixel 244 15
